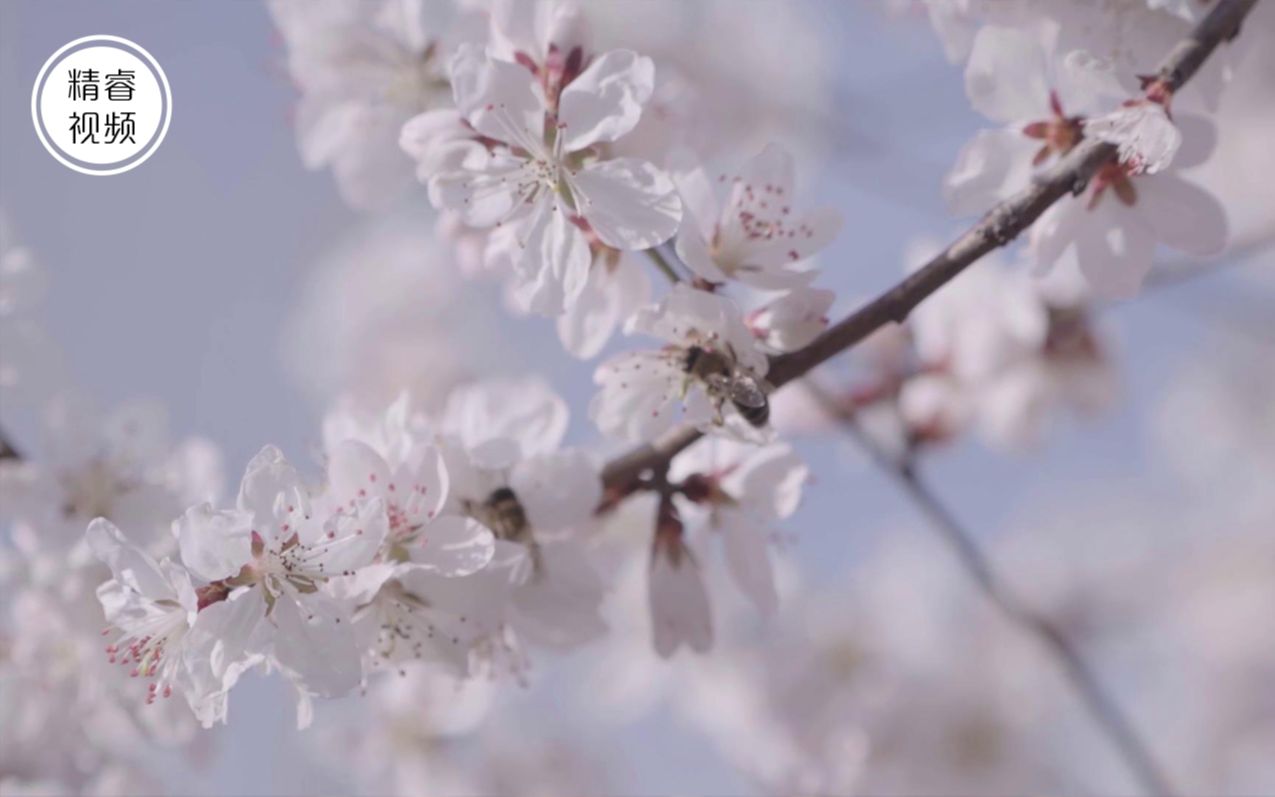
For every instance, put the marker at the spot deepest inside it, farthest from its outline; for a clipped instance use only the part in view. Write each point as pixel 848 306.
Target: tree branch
pixel 7 450
pixel 1001 225
pixel 1105 711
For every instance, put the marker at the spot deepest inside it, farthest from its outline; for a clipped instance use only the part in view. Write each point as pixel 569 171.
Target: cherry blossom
pixel 411 606
pixel 712 98
pixel 461 525
pixel 363 334
pixel 1017 77
pixel 1133 204
pixel 28 359
pixel 997 351
pixel 154 605
pixel 1111 233
pixel 508 474
pixel 617 288
pixel 363 70
pixel 643 394
pixel 539 178
pixel 678 599
pixel 120 466
pixel 755 236
pixel 792 320
pixel 273 555
pixel 742 490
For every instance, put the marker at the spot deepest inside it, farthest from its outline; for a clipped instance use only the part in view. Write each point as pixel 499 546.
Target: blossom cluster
pixel 1050 75
pixel 452 532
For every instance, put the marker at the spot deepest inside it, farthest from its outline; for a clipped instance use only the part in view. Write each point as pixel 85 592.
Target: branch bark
pixel 1001 225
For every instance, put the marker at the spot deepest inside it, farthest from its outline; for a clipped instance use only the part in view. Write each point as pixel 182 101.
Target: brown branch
pixel 1002 224
pixel 7 450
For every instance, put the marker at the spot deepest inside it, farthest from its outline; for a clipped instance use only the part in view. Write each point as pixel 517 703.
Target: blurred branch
pixel 7 451
pixel 662 264
pixel 1104 709
pixel 1001 225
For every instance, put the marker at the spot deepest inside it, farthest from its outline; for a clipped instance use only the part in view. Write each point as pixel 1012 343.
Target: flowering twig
pixel 1106 712
pixel 1001 225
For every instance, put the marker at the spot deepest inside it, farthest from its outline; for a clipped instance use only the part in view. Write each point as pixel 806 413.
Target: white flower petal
pixel 990 167
pixel 130 565
pixel 1006 78
pixel 270 485
pixel 355 473
pixel 226 639
pixel 553 255
pixel 628 202
pixel 1115 250
pixel 748 558
pixel 525 412
pixel 421 484
pixel 500 99
pixel 1199 140
pixel 214 544
pixel 699 200
pixel 637 396
pixel 692 247
pixel 434 140
pixel 771 481
pixel 482 190
pixel 346 541
pixel 557 490
pixel 454 546
pixel 794 319
pixel 561 607
pixel 1183 215
pixel 679 606
pixel 611 295
pixel 606 100
pixel 314 641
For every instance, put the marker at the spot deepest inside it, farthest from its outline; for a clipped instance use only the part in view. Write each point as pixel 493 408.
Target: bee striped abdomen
pixel 757 416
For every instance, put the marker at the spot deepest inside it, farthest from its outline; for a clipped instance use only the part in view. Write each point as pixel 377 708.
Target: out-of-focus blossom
pixel 363 69
pixel 29 362
pixel 1111 234
pixel 120 467
pixel 386 312
pixel 995 353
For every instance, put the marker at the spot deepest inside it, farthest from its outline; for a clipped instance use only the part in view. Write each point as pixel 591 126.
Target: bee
pixel 740 389
pixel 503 513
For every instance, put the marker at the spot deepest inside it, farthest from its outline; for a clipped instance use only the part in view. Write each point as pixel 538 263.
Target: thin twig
pixel 1001 225
pixel 7 449
pixel 662 264
pixel 1105 711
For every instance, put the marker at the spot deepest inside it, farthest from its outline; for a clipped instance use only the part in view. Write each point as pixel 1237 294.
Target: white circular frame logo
pixel 101 105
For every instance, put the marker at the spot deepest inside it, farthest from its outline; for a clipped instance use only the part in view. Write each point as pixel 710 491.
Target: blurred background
pixel 229 282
